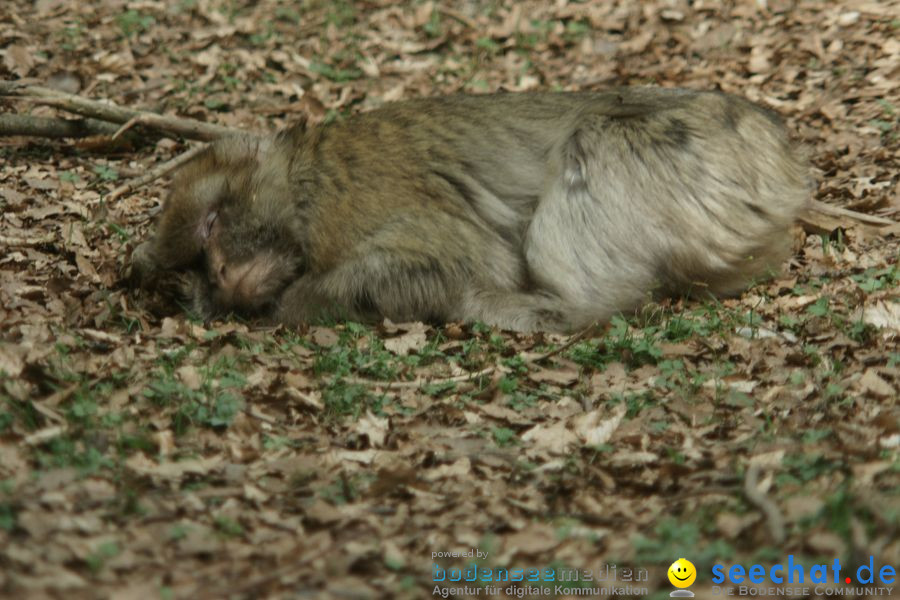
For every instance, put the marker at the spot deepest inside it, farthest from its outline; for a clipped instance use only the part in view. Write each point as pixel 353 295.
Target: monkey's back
pixel 491 158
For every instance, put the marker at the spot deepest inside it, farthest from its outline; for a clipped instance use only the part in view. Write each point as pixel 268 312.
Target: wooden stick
pixel 128 125
pixel 837 211
pixel 156 172
pixel 769 509
pixel 188 128
pixel 457 16
pixel 418 383
pixel 574 339
pixel 48 127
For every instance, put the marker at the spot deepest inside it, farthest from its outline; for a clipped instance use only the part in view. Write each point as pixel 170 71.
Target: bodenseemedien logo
pixel 682 574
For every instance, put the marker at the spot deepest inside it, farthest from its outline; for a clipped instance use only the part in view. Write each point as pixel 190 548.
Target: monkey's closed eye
pixel 207 225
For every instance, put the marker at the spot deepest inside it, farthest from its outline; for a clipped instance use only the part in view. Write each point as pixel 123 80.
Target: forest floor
pixel 146 455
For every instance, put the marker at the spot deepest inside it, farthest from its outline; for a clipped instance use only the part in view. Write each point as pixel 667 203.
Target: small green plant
pixel 819 308
pixel 344 489
pixel 336 74
pixel 622 343
pixel 680 537
pixel 893 359
pixel 860 331
pixel 72 35
pixel 179 531
pixel 228 527
pixel 432 389
pixel 216 104
pixel 25 412
pixel 276 442
pixel 634 402
pixel 7 418
pixel 488 45
pixel 82 408
pixel 575 30
pixel 874 280
pixel 343 399
pixel 106 173
pixel 132 22
pixel 803 468
pixel 101 555
pixel 503 436
pixel 65 451
pixel 288 14
pixel 433 27
pixel 214 404
pixel 811 436
pixel 842 508
pixel 8 517
pixel 341 14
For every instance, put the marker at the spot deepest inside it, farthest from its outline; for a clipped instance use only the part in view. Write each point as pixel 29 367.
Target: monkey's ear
pixel 300 123
pixel 296 133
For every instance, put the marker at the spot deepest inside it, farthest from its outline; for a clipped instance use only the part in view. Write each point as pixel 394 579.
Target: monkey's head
pixel 226 237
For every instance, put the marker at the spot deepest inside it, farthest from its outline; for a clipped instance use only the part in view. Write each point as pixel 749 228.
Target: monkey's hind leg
pixel 697 194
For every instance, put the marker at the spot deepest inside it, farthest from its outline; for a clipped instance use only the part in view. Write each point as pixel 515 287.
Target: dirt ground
pixel 146 455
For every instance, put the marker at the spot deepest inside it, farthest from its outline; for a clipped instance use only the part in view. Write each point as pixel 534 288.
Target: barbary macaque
pixel 538 211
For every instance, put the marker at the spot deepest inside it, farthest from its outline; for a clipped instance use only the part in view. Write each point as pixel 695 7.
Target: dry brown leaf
pixel 324 336
pixel 564 377
pixel 596 427
pixel 556 439
pixel 412 340
pixel 374 428
pixel 310 483
pixel 872 383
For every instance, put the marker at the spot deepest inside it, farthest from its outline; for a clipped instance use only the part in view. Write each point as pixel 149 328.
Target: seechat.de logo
pixel 794 573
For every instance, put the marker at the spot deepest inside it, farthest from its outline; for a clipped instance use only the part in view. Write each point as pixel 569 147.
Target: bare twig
pixel 773 516
pixel 155 173
pixel 418 383
pixel 457 16
pixel 568 344
pixel 128 125
pixel 838 211
pixel 48 127
pixel 189 128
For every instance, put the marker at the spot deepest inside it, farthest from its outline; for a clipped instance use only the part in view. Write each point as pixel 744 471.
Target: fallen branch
pixel 48 127
pixel 107 111
pixel 754 494
pixel 530 359
pixel 128 125
pixel 574 339
pixel 837 211
pixel 155 173
pixel 418 383
pixel 457 16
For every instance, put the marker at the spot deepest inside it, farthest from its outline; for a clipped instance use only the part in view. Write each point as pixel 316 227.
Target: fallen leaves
pixel 141 451
pixel 412 337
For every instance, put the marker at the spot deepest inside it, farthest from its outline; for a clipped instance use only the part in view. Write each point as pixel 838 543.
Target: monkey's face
pixel 244 264
pixel 224 239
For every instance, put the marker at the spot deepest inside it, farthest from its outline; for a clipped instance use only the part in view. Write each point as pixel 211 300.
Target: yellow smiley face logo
pixel 682 573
